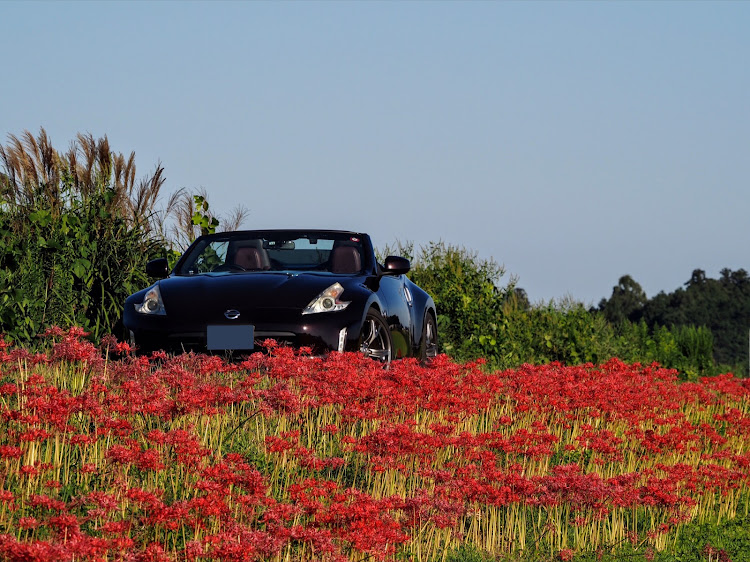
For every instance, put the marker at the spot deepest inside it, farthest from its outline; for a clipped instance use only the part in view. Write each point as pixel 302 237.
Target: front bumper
pixel 334 331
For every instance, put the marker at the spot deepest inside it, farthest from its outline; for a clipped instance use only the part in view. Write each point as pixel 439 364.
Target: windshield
pixel 335 253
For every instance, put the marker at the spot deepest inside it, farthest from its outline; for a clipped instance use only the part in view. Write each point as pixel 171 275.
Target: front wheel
pixel 375 339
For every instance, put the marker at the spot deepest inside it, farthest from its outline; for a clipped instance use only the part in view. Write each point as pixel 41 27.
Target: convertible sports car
pixel 322 289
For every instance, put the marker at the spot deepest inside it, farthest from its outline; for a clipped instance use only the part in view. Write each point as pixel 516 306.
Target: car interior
pixel 238 255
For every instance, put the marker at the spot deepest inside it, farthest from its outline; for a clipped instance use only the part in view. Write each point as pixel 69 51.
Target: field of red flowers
pixel 284 456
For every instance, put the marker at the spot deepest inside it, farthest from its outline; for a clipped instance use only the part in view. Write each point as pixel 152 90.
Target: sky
pixel 571 142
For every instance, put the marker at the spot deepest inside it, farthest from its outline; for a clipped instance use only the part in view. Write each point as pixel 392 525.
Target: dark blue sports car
pixel 322 289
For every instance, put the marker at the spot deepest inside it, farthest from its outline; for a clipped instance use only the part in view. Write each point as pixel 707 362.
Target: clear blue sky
pixel 573 142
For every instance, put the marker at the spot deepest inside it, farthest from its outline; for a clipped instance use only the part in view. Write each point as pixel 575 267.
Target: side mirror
pixel 396 265
pixel 158 268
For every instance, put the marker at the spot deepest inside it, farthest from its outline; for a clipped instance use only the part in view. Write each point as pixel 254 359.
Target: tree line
pixel 720 305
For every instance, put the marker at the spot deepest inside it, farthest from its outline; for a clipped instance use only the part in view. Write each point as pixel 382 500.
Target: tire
pixel 428 345
pixel 375 338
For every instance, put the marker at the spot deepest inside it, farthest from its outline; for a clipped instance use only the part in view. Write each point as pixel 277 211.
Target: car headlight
pixel 152 303
pixel 327 301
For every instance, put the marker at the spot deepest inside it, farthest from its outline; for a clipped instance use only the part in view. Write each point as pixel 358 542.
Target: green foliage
pixel 688 349
pixel 706 541
pixel 76 230
pixel 71 267
pixel 466 292
pixel 696 542
pixel 565 332
pixel 201 217
pixel 75 233
pixel 479 318
pixel 720 306
pixel 570 334
pixel 626 302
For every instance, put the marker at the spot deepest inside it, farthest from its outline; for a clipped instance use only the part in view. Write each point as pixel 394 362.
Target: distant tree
pixel 721 305
pixel 698 277
pixel 626 303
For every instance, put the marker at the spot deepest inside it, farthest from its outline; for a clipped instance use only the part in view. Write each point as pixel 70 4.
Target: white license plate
pixel 229 337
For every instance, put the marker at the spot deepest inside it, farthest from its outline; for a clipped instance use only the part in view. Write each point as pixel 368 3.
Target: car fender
pixel 423 304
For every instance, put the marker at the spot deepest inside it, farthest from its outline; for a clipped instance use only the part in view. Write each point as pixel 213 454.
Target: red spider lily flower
pixel 117 527
pixel 149 460
pixel 41 500
pixel 39 551
pixel 29 470
pixel 53 332
pixel 278 513
pixel 83 439
pixel 105 503
pixel 194 551
pixel 148 499
pixel 153 552
pixel 28 523
pixel 123 347
pixel 10 452
pixel 186 447
pixel 34 435
pixel 66 524
pixel 157 436
pixel 121 544
pixel 718 554
pixel 72 349
pixel 269 344
pixel 277 445
pixel 8 389
pixel 7 497
pixel 280 399
pixel 121 454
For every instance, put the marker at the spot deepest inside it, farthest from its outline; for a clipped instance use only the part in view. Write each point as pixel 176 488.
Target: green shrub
pixel 480 318
pixel 565 332
pixel 75 267
pixel 75 233
pixel 467 294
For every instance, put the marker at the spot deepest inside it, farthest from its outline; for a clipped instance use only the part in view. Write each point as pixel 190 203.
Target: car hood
pixel 214 292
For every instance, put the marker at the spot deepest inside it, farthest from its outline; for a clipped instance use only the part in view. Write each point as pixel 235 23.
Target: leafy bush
pixel 688 349
pixel 467 294
pixel 480 318
pixel 75 232
pixel 566 333
pixel 75 267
